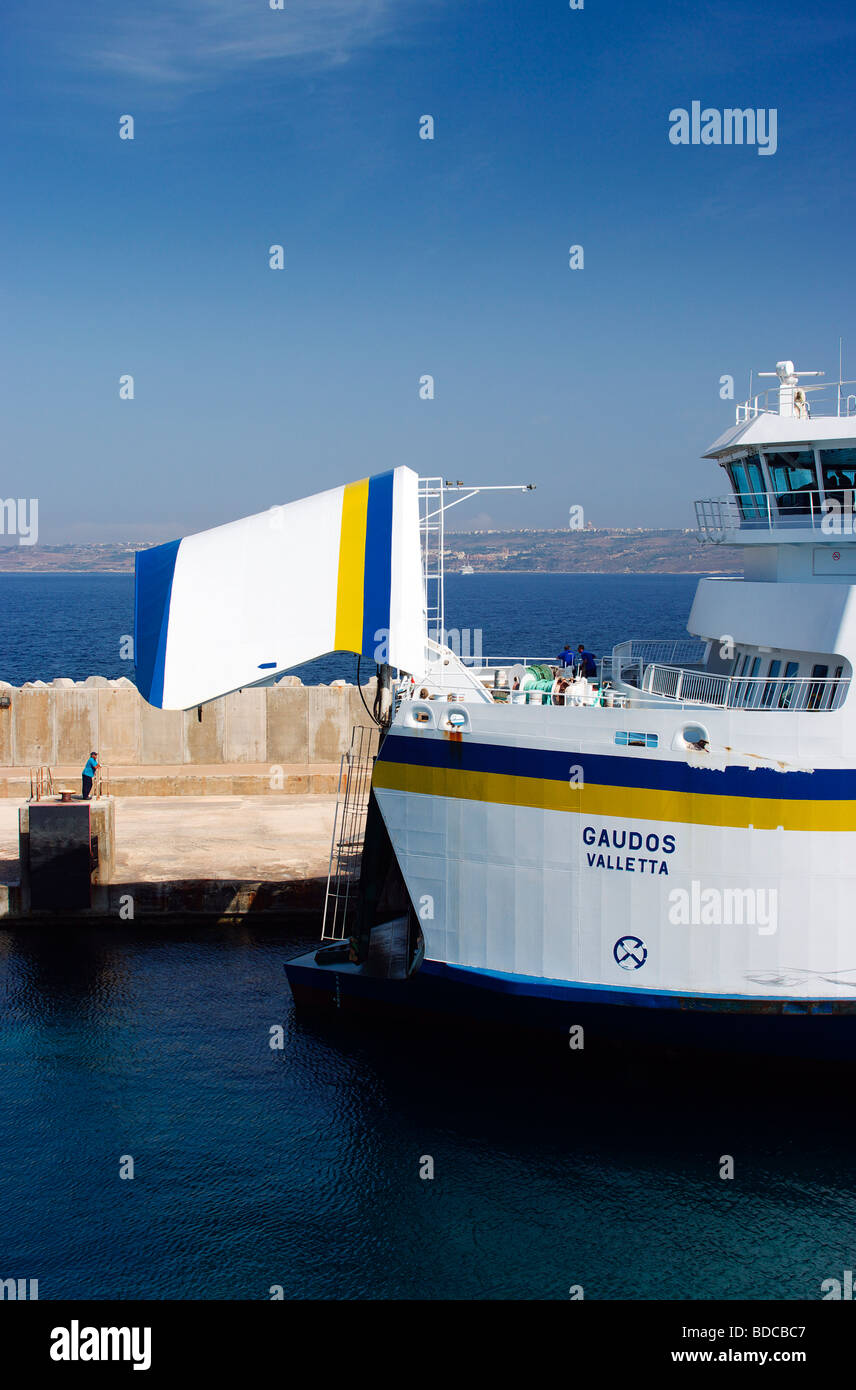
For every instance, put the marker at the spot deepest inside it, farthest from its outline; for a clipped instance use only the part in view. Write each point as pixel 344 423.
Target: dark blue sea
pixel 300 1166
pixel 78 625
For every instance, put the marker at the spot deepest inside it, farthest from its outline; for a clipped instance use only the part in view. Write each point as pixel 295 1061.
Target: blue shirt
pixel 587 663
pixel 566 658
pixel 89 770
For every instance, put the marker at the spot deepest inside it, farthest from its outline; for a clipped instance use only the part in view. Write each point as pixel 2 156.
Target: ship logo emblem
pixel 630 953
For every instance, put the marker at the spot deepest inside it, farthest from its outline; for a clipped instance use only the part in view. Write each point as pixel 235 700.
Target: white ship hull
pixel 735 877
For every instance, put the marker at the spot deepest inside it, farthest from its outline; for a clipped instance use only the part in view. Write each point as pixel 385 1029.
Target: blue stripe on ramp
pixel 377 579
pixel 154 570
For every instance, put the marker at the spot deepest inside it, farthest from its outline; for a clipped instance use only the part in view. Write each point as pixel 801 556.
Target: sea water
pixel 301 1167
pixel 79 625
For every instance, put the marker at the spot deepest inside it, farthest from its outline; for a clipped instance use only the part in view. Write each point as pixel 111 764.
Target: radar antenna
pixel 792 400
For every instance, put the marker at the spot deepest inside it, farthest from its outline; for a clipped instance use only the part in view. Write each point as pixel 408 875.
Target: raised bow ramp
pixel 237 605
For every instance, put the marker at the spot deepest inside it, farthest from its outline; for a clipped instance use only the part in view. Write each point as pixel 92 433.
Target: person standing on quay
pixel 92 766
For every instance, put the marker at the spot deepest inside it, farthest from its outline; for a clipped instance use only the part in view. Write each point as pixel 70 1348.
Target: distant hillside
pixel 590 552
pixel 573 552
pixel 86 558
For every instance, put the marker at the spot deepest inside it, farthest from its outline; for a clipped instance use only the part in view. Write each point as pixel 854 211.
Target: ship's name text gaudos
pixel 604 842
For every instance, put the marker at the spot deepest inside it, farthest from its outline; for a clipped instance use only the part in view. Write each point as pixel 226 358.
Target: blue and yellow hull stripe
pixel 629 787
pixel 365 565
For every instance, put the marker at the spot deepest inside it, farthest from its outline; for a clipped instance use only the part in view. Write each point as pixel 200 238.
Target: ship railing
pixel 629 659
pixel 502 663
pixel 803 509
pixel 686 650
pixel 796 693
pixel 833 399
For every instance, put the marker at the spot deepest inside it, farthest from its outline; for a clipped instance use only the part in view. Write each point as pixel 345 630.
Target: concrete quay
pixel 194 779
pixel 242 743
pixel 213 857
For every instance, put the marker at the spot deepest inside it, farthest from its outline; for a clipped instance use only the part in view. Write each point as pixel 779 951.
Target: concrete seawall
pixel 284 738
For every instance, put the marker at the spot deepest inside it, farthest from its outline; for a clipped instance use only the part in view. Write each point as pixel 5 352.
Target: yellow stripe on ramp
pixel 352 563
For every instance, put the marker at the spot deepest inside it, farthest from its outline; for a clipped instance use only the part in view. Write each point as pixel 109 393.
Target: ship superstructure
pixel 684 822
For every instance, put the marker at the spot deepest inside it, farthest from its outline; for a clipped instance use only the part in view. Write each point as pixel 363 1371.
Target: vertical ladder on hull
pixel 349 827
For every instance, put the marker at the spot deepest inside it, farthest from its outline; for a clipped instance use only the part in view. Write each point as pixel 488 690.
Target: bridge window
pixel 747 479
pixel 838 467
pixel 794 482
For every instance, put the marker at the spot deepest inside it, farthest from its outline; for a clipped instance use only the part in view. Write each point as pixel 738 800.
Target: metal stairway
pixel 349 826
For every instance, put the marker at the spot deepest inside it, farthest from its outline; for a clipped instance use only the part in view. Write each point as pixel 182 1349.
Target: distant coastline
pixel 686 574
pixel 487 552
pixel 51 569
pixel 610 574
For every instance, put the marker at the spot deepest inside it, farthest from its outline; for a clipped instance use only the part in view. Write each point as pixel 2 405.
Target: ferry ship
pixel 659 852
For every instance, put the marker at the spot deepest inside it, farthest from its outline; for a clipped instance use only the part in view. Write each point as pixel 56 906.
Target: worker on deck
pixel 586 663
pixel 566 657
pixel 92 766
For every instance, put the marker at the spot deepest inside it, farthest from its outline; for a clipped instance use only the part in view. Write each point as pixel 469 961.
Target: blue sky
pixel 404 256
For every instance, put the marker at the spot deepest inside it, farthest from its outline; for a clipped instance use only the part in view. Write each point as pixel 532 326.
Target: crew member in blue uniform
pixel 92 766
pixel 586 663
pixel 566 657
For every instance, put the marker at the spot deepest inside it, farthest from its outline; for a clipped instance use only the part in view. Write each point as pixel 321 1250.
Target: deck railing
pixel 833 399
pixel 629 659
pixel 770 511
pixel 492 663
pixel 745 692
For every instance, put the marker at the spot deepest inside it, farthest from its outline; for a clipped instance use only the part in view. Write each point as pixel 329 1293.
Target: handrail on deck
pixel 800 693
pixel 628 659
pixel 832 400
pixel 490 663
pixel 803 509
